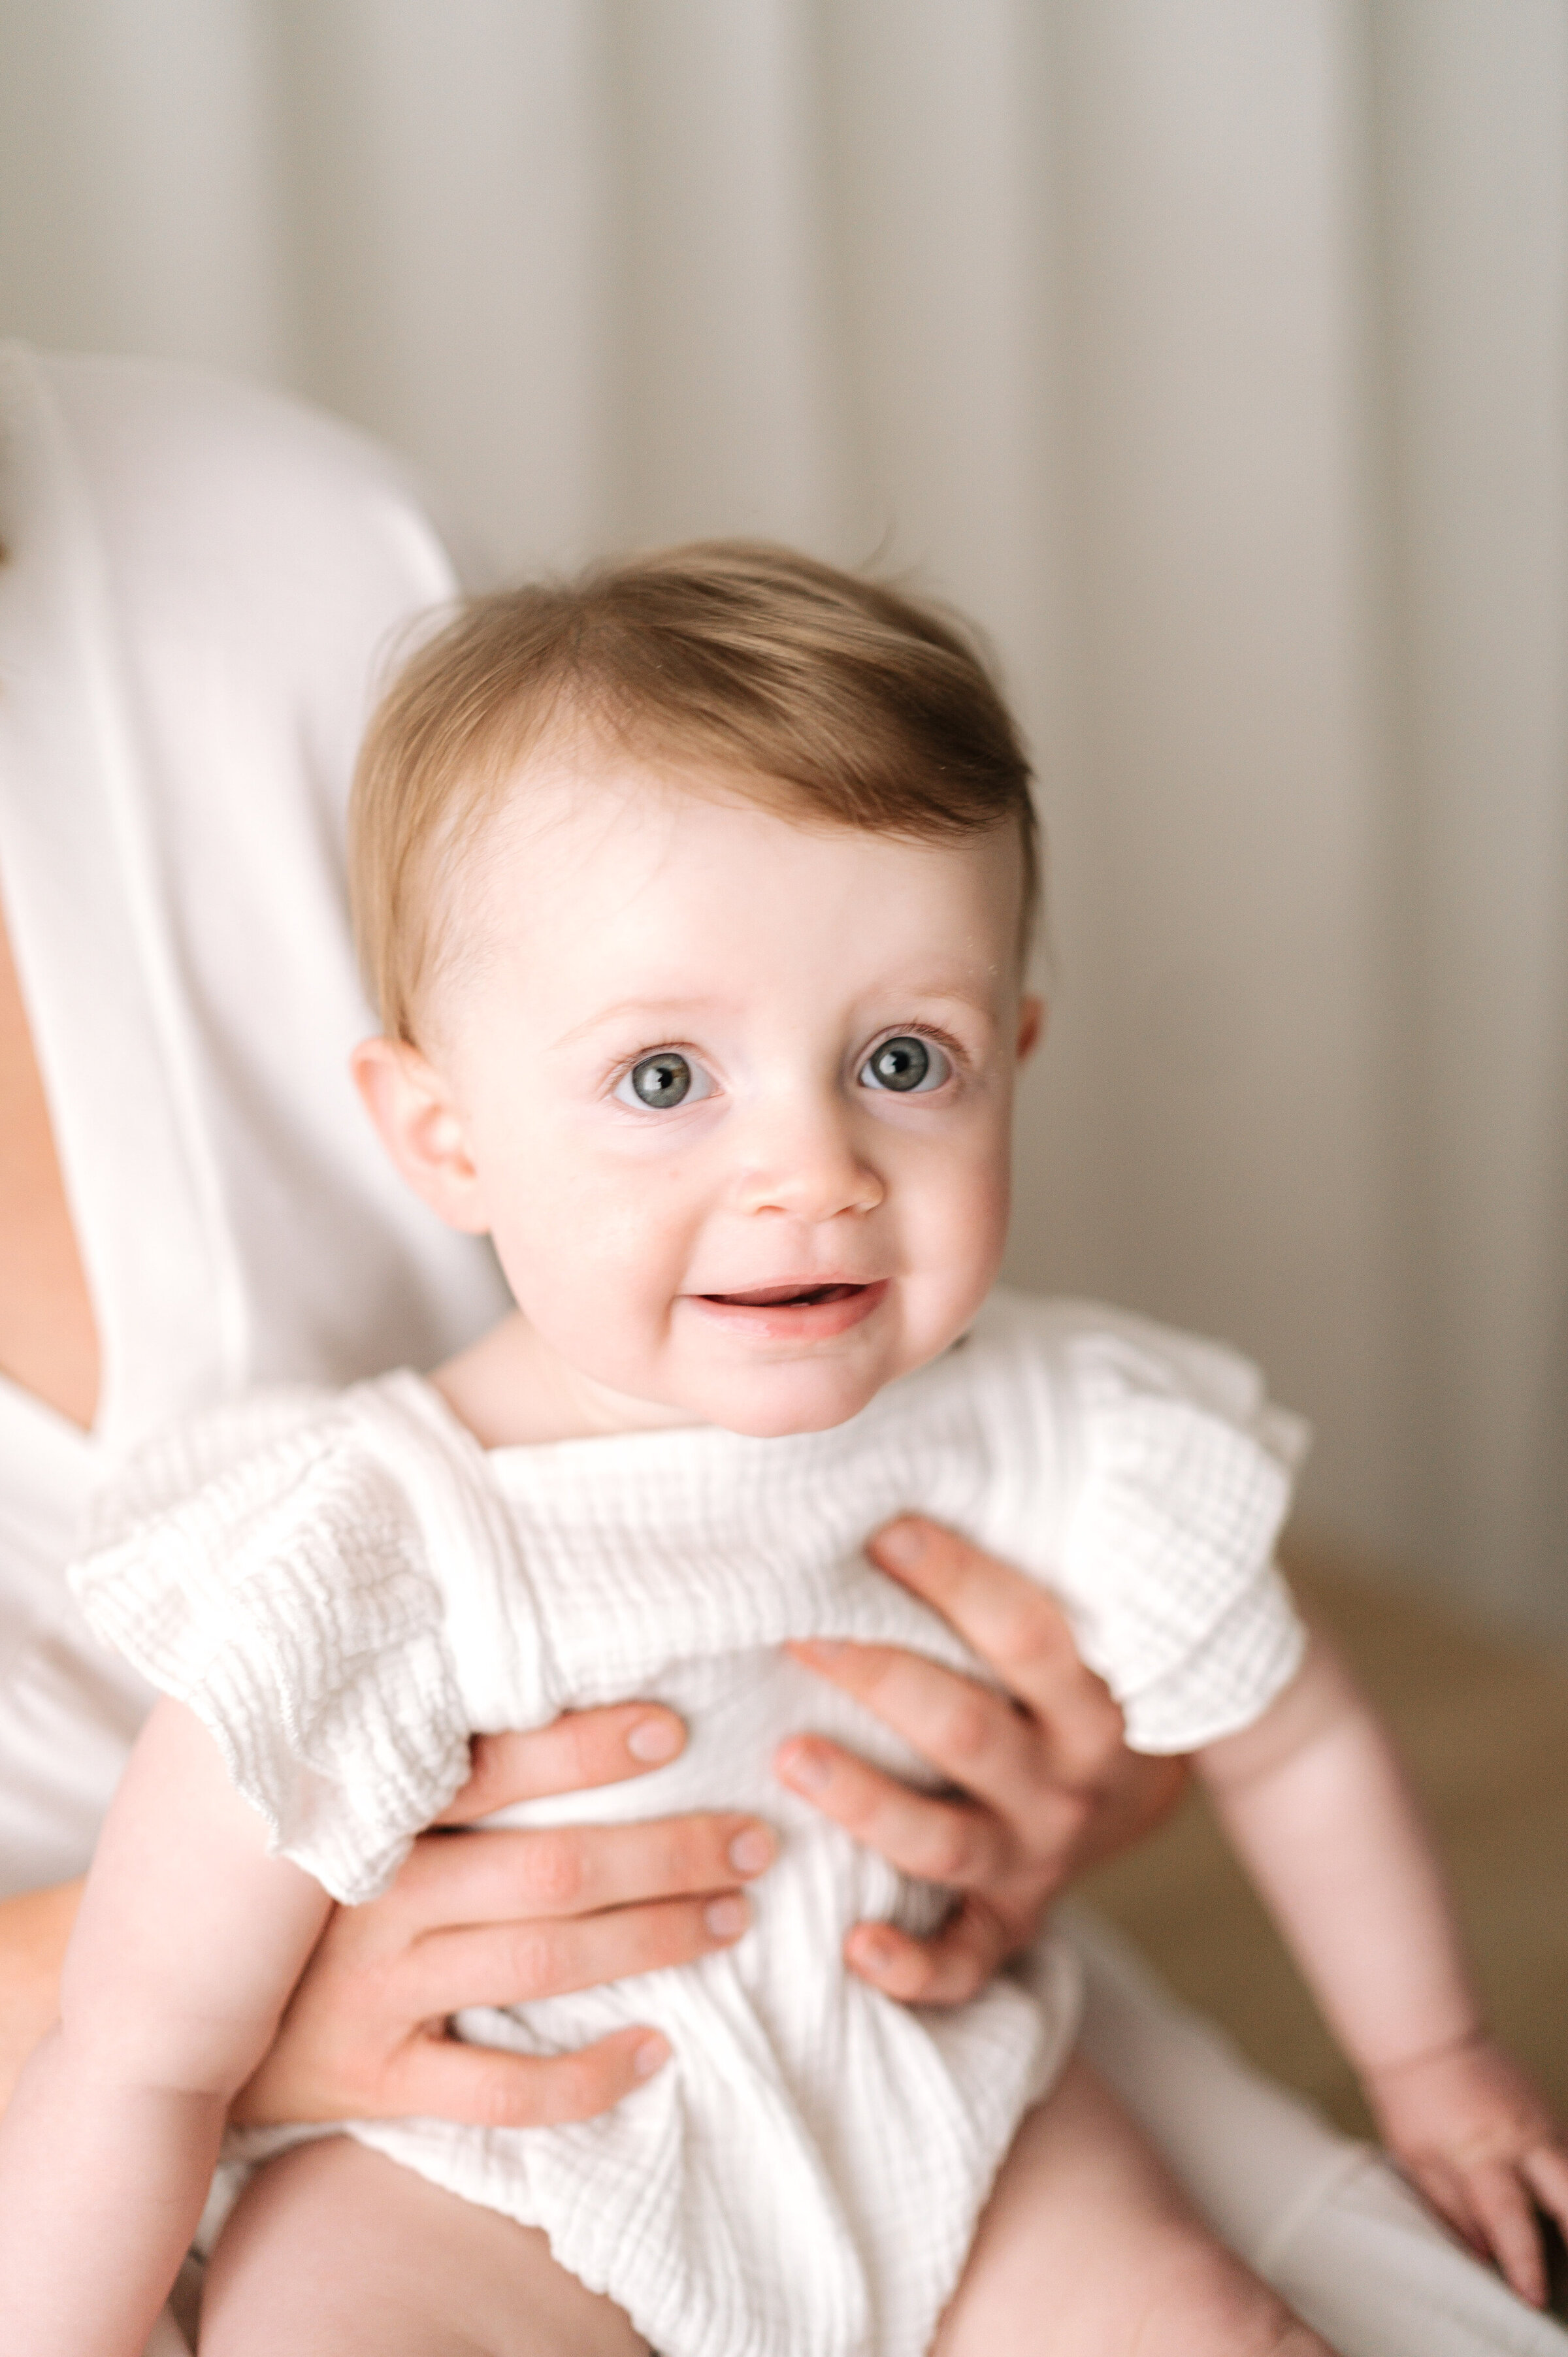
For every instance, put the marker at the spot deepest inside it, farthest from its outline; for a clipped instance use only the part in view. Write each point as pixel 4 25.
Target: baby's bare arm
pixel 1318 1805
pixel 188 1942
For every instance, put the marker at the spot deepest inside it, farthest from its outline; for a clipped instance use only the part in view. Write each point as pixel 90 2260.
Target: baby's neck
pixel 512 1391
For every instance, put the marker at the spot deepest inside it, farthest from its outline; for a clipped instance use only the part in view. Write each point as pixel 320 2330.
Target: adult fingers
pixel 443 2079
pixel 1143 1794
pixel 515 1964
pixel 1018 1631
pixel 980 1742
pixel 579 1749
pixel 977 1736
pixel 507 1873
pixel 948 1968
pixel 936 1840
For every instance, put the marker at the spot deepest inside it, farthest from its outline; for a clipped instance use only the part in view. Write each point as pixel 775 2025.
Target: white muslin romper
pixel 343 1585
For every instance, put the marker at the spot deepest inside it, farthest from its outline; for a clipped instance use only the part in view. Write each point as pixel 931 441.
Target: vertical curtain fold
pixel 1212 356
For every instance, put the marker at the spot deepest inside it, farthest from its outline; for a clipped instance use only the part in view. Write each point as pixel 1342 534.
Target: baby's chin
pixel 777 1402
pixel 767 1394
pixel 767 1423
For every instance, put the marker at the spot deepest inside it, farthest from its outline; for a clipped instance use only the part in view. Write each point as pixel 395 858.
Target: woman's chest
pixel 49 1340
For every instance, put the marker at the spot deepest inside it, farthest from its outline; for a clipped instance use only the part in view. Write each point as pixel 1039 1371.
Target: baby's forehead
pixel 596 811
pixel 646 860
pixel 611 880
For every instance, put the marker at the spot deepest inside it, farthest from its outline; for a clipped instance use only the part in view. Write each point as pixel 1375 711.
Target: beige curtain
pixel 1212 353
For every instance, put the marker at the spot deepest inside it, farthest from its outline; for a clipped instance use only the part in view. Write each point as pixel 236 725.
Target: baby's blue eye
pixel 662 1081
pixel 906 1064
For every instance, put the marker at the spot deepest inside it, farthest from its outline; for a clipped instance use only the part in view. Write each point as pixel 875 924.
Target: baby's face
pixel 731 1095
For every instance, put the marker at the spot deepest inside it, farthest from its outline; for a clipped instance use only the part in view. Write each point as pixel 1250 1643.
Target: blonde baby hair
pixel 815 692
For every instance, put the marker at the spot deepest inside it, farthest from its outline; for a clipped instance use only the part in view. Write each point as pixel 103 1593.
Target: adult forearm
pixel 34 1929
pixel 135 2162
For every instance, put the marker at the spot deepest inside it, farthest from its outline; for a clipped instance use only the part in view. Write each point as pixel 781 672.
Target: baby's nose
pixel 806 1166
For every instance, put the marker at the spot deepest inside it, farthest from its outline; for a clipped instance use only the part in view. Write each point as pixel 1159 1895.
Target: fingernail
pixel 653 1739
pixel 803 1766
pixel 819 1648
pixel 727 1918
pixel 873 1950
pixel 752 1850
pixel 651 2056
pixel 902 1544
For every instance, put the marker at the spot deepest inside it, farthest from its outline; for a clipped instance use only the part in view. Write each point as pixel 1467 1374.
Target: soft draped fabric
pixel 1213 354
pixel 199 584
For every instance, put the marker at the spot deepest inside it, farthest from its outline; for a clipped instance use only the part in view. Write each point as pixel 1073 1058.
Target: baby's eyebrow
pixel 971 988
pixel 661 1013
pixel 968 985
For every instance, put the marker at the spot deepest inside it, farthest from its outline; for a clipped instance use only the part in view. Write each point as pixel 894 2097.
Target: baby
pixel 696 900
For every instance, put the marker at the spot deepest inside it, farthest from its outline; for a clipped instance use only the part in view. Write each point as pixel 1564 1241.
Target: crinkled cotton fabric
pixel 344 1585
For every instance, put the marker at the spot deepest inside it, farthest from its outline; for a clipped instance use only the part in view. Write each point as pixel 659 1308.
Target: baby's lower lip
pixel 804 1313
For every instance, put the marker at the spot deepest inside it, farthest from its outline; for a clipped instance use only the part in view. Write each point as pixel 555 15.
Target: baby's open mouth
pixel 781 1297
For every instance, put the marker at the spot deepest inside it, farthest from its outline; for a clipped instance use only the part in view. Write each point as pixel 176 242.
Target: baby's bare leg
pixel 1087 2249
pixel 334 2250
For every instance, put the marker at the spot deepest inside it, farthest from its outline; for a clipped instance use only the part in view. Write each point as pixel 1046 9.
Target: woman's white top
pixel 200 584
pixel 343 1586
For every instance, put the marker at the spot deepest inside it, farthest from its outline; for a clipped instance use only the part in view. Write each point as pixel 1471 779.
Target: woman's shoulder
pixel 211 451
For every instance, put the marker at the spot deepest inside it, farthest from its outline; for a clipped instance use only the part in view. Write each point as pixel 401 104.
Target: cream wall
pixel 1212 353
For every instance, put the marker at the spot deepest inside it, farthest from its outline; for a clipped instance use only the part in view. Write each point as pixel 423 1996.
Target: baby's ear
pixel 419 1124
pixel 1032 1019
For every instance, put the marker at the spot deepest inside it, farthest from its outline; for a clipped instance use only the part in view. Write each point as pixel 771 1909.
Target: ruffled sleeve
pixel 1184 1473
pixel 287 1600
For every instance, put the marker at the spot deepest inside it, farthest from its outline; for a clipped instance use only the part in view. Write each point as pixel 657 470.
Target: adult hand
pixel 1046 1783
pixel 498 1917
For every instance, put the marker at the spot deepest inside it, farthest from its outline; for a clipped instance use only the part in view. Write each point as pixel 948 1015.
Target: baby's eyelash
pixel 675 1075
pixel 617 1072
pixel 957 1055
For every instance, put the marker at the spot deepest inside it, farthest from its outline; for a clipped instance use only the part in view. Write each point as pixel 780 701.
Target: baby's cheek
pixel 965 1227
pixel 601 1273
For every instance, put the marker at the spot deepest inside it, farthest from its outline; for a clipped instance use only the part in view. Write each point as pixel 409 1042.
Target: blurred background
pixel 1213 355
